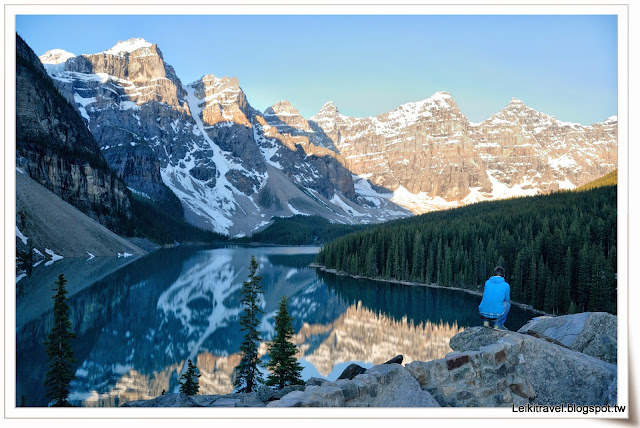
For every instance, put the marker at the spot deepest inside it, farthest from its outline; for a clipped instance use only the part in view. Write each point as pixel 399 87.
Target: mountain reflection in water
pixel 137 326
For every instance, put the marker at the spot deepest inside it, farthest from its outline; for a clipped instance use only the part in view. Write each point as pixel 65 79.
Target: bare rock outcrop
pixel 495 368
pixel 592 333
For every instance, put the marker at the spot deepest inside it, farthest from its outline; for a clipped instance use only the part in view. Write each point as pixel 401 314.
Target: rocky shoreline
pixel 420 284
pixel 550 361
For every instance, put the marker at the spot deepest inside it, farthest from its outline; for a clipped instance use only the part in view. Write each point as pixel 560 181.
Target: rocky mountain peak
pixel 438 107
pixel 287 119
pixel 282 108
pixel 135 66
pixel 222 90
pixel 211 80
pixel 516 103
pixel 329 109
pixel 441 95
pixel 128 46
pixel 55 56
pixel 224 100
pixel 443 99
pixel 517 113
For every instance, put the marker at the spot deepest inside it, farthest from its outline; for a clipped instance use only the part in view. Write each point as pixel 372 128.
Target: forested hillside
pixel 302 230
pixel 559 250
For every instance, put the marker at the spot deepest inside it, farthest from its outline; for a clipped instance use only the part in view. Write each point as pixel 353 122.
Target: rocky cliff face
pixel 432 157
pixel 133 103
pixel 55 148
pixel 229 166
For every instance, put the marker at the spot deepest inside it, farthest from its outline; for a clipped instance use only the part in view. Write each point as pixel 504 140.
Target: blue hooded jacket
pixel 496 291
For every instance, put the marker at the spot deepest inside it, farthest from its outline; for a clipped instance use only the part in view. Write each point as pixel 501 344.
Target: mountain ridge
pixel 421 156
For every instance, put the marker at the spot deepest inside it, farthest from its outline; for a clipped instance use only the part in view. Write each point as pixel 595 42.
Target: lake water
pixel 139 320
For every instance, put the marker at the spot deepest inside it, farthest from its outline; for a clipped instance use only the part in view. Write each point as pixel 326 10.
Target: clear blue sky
pixel 565 66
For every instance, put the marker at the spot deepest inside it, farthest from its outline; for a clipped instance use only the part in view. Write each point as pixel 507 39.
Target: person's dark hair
pixel 498 271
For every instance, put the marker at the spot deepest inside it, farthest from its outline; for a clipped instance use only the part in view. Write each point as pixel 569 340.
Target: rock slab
pixel 554 373
pixel 592 333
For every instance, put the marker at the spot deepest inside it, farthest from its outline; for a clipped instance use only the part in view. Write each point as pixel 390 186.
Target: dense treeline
pixel 159 224
pixel 302 230
pixel 559 250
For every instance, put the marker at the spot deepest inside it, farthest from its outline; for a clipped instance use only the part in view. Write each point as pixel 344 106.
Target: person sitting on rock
pixel 495 300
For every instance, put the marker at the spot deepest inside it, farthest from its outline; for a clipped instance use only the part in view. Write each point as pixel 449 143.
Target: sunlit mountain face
pixel 139 324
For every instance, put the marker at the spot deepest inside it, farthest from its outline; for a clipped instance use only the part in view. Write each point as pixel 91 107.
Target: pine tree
pixel 247 374
pixel 58 346
pixel 190 385
pixel 285 369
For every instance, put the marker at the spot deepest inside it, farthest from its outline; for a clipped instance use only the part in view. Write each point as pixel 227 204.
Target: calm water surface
pixel 139 320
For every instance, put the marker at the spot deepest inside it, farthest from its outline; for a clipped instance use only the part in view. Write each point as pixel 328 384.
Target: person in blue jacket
pixel 495 300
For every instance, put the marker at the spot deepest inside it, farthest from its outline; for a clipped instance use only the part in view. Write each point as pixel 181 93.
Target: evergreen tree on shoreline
pixel 247 374
pixel 190 385
pixel 285 369
pixel 59 375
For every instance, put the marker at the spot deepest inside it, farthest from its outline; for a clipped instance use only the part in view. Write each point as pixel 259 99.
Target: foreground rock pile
pixel 494 369
pixel 540 364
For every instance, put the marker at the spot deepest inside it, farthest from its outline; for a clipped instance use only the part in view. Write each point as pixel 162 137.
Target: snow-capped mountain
pixel 234 168
pixel 432 157
pixel 226 162
pixel 56 56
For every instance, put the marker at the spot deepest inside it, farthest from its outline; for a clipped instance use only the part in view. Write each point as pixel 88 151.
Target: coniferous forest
pixel 302 230
pixel 559 250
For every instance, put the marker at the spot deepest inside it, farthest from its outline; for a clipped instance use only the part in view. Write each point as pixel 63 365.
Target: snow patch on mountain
pixel 421 202
pixel 20 236
pixel 128 46
pixel 295 211
pixel 567 185
pixel 475 195
pixel 564 161
pixel 503 191
pixel 339 201
pixel 55 56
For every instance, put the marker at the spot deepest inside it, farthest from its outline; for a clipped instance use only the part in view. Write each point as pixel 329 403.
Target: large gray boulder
pixel 398 388
pixel 592 333
pixel 472 339
pixel 557 375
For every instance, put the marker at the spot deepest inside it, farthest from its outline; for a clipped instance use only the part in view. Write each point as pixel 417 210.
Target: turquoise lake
pixel 139 320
